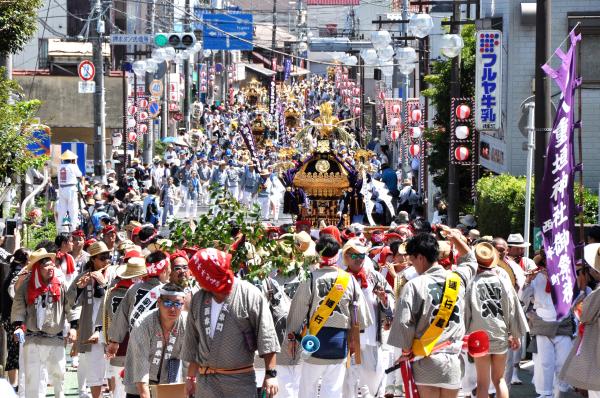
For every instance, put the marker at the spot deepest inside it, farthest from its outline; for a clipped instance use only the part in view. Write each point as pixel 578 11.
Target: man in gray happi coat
pixel 228 321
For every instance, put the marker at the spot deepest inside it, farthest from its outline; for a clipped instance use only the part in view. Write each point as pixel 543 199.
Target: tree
pixel 16 117
pixel 18 23
pixel 439 94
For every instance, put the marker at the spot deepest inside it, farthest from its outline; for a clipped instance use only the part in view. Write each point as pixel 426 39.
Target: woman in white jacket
pixel 276 195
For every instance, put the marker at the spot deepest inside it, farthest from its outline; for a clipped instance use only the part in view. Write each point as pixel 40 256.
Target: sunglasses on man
pixel 172 304
pixel 357 256
pixel 104 257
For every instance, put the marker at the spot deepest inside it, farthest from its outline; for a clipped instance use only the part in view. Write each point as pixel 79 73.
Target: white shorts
pixel 93 365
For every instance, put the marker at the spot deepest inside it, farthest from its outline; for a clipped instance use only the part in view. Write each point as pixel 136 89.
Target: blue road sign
pixel 154 108
pixel 40 143
pixel 235 25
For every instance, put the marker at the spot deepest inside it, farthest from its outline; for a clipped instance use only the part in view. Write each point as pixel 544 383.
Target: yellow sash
pixel 319 318
pixel 422 347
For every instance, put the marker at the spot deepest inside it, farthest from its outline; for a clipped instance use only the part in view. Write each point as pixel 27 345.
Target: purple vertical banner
pixel 555 200
pixel 287 68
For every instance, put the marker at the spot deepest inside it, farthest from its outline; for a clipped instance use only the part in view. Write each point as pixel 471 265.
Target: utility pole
pixel 405 78
pixel 149 136
pixel 99 105
pixel 543 122
pixel 186 72
pixel 453 187
pixel 274 35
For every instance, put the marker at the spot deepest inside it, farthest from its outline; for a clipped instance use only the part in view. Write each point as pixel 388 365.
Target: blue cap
pixel 228 152
pixel 230 162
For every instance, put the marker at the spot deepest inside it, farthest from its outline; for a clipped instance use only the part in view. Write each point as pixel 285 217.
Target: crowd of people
pixel 379 311
pixel 137 314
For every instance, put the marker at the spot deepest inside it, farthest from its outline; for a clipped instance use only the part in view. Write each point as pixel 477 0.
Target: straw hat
pixel 39 255
pixel 486 255
pixel 132 225
pixel 68 155
pixel 402 249
pixel 445 249
pixel 516 240
pixel 591 255
pixel 97 248
pixel 135 266
pixel 304 243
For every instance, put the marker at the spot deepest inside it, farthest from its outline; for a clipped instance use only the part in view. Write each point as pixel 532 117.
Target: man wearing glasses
pixel 89 289
pixel 380 302
pixel 154 352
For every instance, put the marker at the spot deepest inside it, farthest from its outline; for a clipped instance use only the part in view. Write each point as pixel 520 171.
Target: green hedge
pixel 500 208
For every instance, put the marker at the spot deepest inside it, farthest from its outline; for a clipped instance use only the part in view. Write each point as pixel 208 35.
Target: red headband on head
pixel 179 254
pixel 155 269
pixel 79 233
pixel 109 228
pixel 212 270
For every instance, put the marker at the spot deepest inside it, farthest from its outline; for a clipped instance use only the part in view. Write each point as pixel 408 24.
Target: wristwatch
pixel 271 373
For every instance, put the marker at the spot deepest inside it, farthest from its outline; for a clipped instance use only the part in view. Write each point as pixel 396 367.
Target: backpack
pixel 279 304
pixel 133 213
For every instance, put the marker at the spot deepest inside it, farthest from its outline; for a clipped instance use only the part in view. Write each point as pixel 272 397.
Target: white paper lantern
pixel 158 54
pixel 386 53
pixel 351 60
pixel 357 110
pixel 461 153
pixel 396 108
pixel 356 91
pixel 414 150
pixel 395 122
pixel 356 101
pixel 143 116
pixel 463 111
pixel 203 88
pixel 169 54
pixel 462 132
pixel 406 69
pixel 302 47
pixel 451 45
pixel 139 67
pixel 415 132
pixel 415 115
pixel 151 65
pixel 132 110
pixel 131 123
pixel 369 56
pixel 132 136
pixel 406 55
pixel 420 25
pixel 142 128
pixel 381 39
pixel 394 135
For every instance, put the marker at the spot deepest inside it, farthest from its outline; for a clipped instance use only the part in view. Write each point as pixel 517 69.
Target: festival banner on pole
pixel 393 114
pixel 555 200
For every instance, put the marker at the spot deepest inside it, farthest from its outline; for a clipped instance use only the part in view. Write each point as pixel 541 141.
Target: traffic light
pixel 179 41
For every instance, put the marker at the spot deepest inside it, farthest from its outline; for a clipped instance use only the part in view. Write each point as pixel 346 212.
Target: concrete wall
pixel 519 74
pixel 63 106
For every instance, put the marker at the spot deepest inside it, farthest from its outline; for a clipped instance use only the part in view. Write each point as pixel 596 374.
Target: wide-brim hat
pixel 474 234
pixel 516 240
pixel 39 255
pixel 97 248
pixel 132 225
pixel 135 267
pixel 486 255
pixel 68 155
pixel 444 249
pixel 591 255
